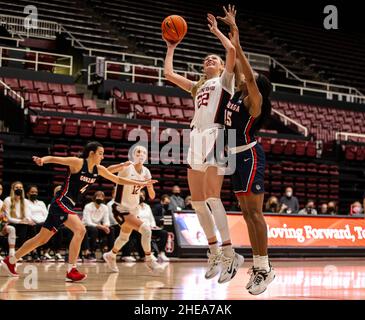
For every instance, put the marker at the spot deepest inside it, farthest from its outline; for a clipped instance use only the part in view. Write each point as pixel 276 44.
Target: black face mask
pixel 176 194
pixel 331 210
pixel 18 192
pixel 33 197
pixel 273 205
pixel 99 201
pixel 141 200
pixel 166 206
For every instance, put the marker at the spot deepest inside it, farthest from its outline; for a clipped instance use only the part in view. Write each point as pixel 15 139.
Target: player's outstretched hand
pixel 213 25
pixel 170 44
pixel 230 17
pixel 150 182
pixel 38 161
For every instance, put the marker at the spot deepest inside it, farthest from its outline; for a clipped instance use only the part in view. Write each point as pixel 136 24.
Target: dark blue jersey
pixel 77 183
pixel 236 116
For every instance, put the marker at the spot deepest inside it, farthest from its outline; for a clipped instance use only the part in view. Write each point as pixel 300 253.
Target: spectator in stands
pixel 16 209
pixel 323 209
pixel 96 220
pixel 363 201
pixel 188 205
pixel 1 192
pixel 158 234
pixel 356 209
pixel 332 208
pixel 161 209
pixel 126 250
pixel 38 214
pixel 9 231
pixel 289 203
pixel 309 208
pixel 177 203
pixel 272 205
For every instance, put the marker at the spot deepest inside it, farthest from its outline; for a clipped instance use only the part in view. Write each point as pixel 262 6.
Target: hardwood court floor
pixel 341 278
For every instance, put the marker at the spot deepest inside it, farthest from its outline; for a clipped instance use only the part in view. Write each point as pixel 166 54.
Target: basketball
pixel 174 28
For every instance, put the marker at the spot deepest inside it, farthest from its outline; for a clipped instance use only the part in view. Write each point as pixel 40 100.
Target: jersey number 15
pixel 227 118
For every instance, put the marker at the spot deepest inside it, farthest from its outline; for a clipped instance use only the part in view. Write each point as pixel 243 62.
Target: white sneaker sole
pixel 240 262
pixel 213 275
pixel 262 291
pixel 5 267
pixel 115 270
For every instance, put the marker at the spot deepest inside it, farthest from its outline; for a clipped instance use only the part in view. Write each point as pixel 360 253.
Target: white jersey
pixel 211 98
pixel 130 194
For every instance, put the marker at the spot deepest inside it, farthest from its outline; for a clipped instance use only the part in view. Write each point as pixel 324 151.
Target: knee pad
pixel 220 217
pixel 121 240
pixel 11 235
pixel 146 235
pixel 205 218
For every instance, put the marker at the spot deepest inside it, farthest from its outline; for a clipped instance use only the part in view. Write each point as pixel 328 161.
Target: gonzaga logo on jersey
pixel 87 179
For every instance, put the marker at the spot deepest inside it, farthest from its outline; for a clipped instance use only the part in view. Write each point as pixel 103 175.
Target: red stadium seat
pixel 69 89
pixel 176 101
pixel 188 114
pixel 13 83
pixel 71 127
pixel 55 126
pixel 55 88
pixel 101 129
pixel 109 153
pixel 148 99
pixel 41 86
pixel 150 110
pixel 40 125
pixel 164 112
pixel 47 100
pixel 76 102
pixel 177 113
pixel 61 101
pixel 162 100
pixel 289 148
pixel 27 85
pixel 86 128
pixel 278 147
pixel 116 131
pixel 89 103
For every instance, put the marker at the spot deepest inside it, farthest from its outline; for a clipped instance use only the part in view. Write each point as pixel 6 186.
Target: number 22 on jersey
pixel 202 99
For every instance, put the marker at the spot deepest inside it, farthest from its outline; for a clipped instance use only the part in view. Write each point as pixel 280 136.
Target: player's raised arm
pixel 242 64
pixel 169 73
pixel 227 44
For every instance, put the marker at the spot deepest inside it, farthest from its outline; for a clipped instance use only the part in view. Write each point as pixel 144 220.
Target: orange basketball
pixel 174 28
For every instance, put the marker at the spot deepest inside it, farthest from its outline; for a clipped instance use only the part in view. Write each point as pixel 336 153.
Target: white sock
pixel 13 260
pixel 11 251
pixel 255 261
pixel 70 266
pixel 228 251
pixel 263 263
pixel 112 252
pixel 148 257
pixel 213 248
